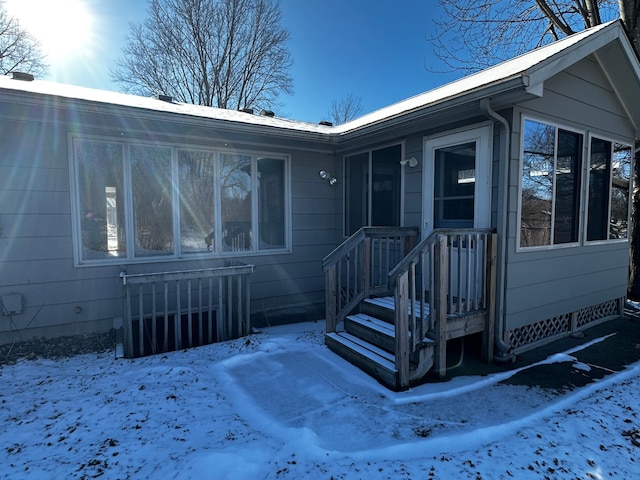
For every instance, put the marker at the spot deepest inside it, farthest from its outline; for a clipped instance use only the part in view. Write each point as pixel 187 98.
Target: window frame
pixel 613 141
pixel 369 199
pixel 585 160
pixel 580 192
pixel 177 254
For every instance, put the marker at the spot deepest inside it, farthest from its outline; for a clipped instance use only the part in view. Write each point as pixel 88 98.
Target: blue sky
pixel 376 50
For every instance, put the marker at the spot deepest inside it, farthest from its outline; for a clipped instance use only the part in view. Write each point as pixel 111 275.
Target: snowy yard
pixel 280 405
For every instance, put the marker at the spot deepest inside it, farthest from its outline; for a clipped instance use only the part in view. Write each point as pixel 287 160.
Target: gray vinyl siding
pixel 413 183
pixel 36 242
pixel 563 279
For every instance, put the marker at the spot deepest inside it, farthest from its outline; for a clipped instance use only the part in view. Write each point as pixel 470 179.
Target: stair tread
pixel 371 352
pixel 373 323
pixel 389 303
pixel 382 327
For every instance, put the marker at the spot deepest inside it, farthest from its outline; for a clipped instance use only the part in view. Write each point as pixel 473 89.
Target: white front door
pixel 457 180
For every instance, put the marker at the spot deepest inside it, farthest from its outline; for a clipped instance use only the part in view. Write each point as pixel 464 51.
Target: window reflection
pixel 235 190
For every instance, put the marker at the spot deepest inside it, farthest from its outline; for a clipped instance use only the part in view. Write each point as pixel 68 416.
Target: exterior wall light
pixel 327 176
pixel 412 162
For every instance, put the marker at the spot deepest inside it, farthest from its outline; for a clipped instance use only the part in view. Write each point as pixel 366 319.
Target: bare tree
pixel 221 53
pixel 19 50
pixel 475 34
pixel 345 109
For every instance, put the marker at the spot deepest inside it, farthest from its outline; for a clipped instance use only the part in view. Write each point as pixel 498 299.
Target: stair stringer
pixel 425 363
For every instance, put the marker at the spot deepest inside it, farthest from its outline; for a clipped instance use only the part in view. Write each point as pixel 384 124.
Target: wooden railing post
pixel 330 294
pixel 128 322
pixel 402 329
pixel 247 304
pixel 439 304
pixel 490 296
pixel 366 266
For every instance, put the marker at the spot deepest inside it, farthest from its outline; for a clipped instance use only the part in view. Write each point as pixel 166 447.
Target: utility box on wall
pixel 11 304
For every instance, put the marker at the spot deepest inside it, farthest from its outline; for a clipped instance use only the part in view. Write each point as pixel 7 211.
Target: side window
pixel 372 188
pixel 100 185
pixel 272 220
pixel 196 169
pixel 609 190
pixel 550 185
pixel 151 185
pixel 236 191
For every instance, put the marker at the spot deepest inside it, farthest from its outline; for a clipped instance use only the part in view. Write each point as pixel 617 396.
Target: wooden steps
pixel 375 361
pixel 368 341
pixel 372 330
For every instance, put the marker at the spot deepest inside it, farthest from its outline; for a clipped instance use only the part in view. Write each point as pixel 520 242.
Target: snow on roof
pixel 151 103
pixel 514 68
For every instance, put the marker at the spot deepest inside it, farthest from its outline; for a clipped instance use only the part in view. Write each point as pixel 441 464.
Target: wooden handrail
pixel 431 259
pixel 422 247
pixel 359 236
pixel 349 268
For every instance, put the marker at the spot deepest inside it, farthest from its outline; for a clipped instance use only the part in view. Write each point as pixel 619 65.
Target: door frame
pixel 482 134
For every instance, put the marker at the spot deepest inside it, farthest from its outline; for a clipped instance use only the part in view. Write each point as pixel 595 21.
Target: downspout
pixel 505 355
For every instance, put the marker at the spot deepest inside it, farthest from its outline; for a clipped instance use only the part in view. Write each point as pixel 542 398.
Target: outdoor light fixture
pixel 327 176
pixel 412 162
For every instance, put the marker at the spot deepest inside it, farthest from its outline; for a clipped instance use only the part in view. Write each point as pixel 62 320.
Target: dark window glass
pixel 550 185
pixel 567 195
pixel 599 181
pixel 385 183
pixel 372 185
pixel 455 181
pixel 357 189
pixel 271 209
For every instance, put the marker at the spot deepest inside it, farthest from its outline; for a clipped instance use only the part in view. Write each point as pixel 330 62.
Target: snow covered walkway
pixel 280 405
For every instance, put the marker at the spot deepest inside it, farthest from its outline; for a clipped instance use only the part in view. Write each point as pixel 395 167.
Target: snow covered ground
pixel 280 405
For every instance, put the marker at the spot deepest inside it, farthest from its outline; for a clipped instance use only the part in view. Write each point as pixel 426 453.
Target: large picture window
pixel 177 202
pixel 609 190
pixel 372 188
pixel 550 185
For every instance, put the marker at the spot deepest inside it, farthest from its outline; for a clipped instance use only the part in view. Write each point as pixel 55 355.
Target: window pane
pixel 620 181
pixel 537 183
pixel 197 229
pixel 455 185
pixel 357 188
pixel 567 201
pixel 152 200
pixel 235 189
pixel 271 211
pixel 101 199
pixel 599 174
pixel 385 199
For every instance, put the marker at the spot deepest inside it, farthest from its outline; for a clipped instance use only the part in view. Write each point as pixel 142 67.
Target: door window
pixel 457 180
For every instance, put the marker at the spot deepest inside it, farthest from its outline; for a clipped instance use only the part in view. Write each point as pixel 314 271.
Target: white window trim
pixel 613 141
pixel 482 134
pixel 581 207
pixel 177 255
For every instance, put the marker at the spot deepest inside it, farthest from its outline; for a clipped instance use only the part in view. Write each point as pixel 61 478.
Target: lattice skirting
pixel 528 336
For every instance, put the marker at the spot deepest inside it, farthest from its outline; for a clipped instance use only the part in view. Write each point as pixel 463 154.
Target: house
pixel 496 206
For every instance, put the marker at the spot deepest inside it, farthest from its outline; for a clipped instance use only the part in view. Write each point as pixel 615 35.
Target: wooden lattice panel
pixel 540 330
pixel 529 334
pixel 588 315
